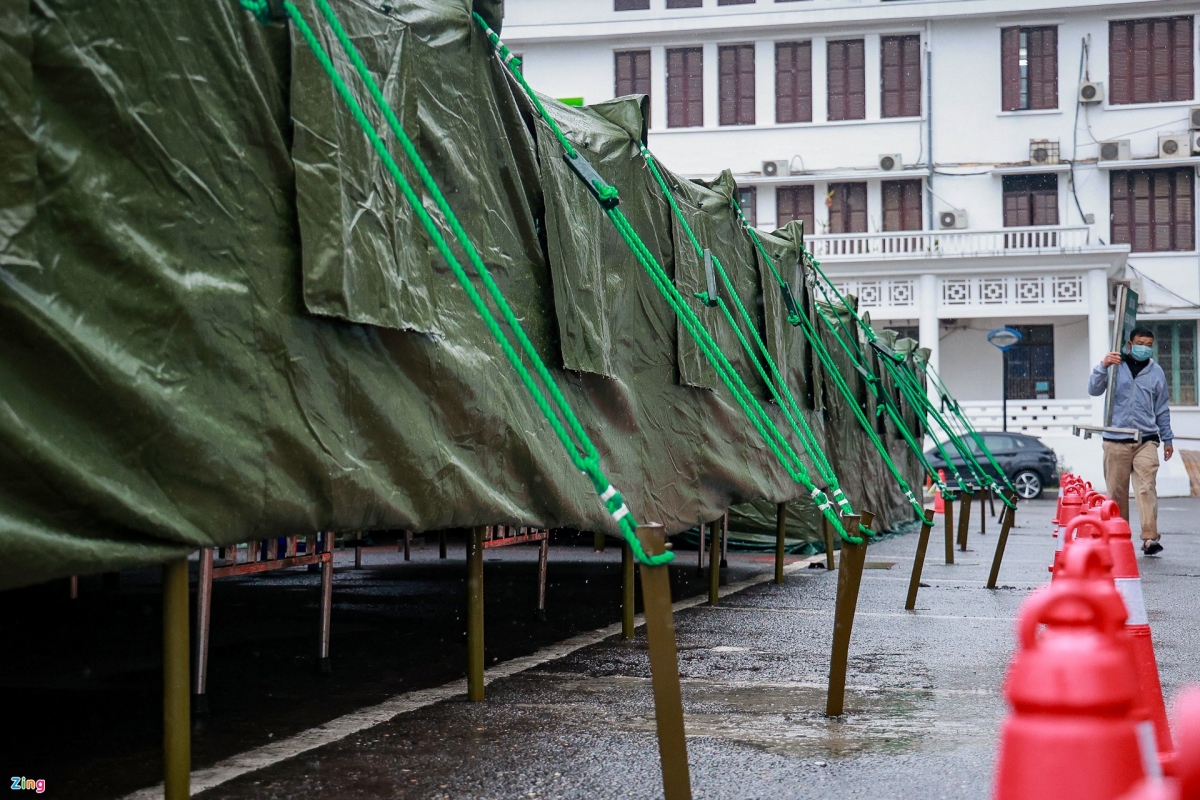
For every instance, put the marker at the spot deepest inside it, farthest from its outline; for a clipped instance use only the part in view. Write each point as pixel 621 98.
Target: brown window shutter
pixel 836 80
pixel 1119 209
pixel 910 66
pixel 685 3
pixel 1010 70
pixel 793 82
pixel 1160 61
pixel 736 84
pixel 900 79
pixel 685 87
pixel 1120 63
pixel 1185 210
pixel 795 203
pixel 847 80
pixel 1141 217
pixel 1139 78
pixel 1043 67
pixel 1044 209
pixel 901 205
pixel 849 211
pixel 631 5
pixel 1183 83
pixel 856 80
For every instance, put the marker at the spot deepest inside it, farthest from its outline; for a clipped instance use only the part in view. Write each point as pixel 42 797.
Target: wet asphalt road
pixel 575 721
pixel 922 712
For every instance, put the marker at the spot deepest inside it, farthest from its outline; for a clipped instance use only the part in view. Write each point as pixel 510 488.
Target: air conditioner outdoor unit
pixel 1195 143
pixel 1135 284
pixel 1194 118
pixel 776 169
pixel 953 218
pixel 891 161
pixel 1174 145
pixel 1115 150
pixel 1091 92
pixel 1043 151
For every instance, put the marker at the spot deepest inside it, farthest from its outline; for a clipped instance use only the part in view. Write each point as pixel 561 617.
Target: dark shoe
pixel 1151 547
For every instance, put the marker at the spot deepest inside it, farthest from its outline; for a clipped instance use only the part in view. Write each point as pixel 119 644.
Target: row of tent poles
pixel 907 375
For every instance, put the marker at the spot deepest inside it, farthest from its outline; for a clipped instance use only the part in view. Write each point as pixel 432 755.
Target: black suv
pixel 1029 464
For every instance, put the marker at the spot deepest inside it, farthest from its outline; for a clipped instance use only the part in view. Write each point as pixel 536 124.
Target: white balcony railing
pixel 1034 417
pixel 950 243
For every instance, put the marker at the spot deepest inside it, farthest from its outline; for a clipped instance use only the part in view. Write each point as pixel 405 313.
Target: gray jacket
pixel 1139 403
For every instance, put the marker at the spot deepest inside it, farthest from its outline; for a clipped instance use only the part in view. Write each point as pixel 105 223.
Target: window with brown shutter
pixel 1029 68
pixel 631 5
pixel 631 70
pixel 848 214
pixel 1030 200
pixel 793 82
pixel 735 86
pixel 685 87
pixel 795 203
pixel 900 78
pixel 1153 209
pixel 1150 60
pixel 685 3
pixel 902 205
pixel 748 202
pixel 847 80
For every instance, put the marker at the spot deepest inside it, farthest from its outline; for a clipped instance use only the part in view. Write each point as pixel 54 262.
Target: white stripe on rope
pixel 609 493
pixel 620 512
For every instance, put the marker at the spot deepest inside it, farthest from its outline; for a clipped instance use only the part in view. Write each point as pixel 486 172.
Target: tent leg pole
pixel 983 496
pixel 949 514
pixel 992 502
pixel 203 623
pixel 543 557
pixel 780 539
pixel 1007 520
pixel 441 544
pixel 408 545
pixel 627 579
pixel 914 583
pixel 74 587
pixel 849 579
pixel 828 530
pixel 598 542
pixel 358 551
pixel 664 668
pixel 714 563
pixel 475 614
pixel 323 663
pixel 177 712
pixel 700 549
pixel 725 540
pixel 964 519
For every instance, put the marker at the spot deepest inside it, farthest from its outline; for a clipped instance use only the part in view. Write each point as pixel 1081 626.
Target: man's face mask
pixel 1140 352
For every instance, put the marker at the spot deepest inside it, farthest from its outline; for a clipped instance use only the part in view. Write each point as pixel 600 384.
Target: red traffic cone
pixel 939 502
pixel 1187 728
pixel 1129 584
pixel 1071 691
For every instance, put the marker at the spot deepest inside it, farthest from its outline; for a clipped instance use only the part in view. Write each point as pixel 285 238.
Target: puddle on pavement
pixel 790 720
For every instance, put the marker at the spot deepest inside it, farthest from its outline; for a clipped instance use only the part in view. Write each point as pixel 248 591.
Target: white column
pixel 712 97
pixel 658 87
pixel 820 77
pixel 1098 335
pixel 872 57
pixel 930 329
pixel 764 83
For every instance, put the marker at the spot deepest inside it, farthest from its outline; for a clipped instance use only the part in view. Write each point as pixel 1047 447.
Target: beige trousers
pixel 1140 461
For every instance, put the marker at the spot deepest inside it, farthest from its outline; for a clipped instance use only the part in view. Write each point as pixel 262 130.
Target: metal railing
pixel 1034 417
pixel 935 244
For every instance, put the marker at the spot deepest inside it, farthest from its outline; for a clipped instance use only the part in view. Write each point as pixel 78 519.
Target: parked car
pixel 1030 465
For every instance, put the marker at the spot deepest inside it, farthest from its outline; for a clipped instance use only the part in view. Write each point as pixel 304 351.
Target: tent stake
pixel 177 712
pixel 475 613
pixel 664 667
pixel 626 591
pixel 850 568
pixel 964 521
pixel 1008 517
pixel 714 563
pixel 780 539
pixel 828 529
pixel 914 583
pixel 949 512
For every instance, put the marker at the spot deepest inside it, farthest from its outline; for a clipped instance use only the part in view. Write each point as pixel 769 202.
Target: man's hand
pixel 1111 360
pixel 1168 451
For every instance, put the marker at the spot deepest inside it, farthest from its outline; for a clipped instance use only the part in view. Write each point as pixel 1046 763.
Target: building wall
pixel 973 368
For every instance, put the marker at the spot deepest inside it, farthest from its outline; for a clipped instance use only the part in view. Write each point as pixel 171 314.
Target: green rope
pixel 826 359
pixel 580 449
pixel 776 383
pixel 745 399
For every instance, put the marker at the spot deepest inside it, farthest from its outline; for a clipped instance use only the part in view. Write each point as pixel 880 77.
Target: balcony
pixel 1042 240
pixel 1034 417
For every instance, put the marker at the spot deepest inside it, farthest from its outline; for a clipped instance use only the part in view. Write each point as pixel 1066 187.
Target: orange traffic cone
pixel 939 503
pixel 1187 728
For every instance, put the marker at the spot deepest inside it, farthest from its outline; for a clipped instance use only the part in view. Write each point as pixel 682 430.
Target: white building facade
pixel 960 165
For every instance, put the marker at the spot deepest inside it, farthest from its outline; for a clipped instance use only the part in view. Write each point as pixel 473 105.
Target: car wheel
pixel 1028 484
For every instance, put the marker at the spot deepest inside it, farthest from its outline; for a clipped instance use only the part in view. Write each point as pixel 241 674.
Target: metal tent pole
pixel 177 713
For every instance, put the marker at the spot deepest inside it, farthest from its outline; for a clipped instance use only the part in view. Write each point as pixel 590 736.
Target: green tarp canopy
pixel 219 321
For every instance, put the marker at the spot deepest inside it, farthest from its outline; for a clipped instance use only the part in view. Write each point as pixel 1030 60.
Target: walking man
pixel 1139 403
